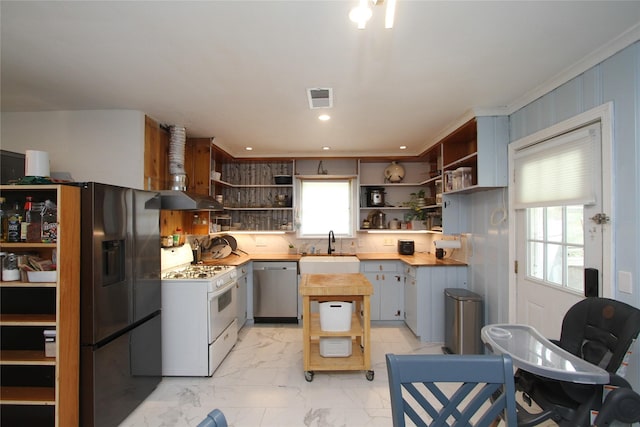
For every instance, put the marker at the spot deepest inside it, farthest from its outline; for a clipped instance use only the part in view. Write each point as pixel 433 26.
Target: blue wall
pixel 616 79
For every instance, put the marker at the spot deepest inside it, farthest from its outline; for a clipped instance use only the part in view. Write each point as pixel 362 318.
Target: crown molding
pixel 621 42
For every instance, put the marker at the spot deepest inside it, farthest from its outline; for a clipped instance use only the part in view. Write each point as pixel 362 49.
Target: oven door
pixel 222 309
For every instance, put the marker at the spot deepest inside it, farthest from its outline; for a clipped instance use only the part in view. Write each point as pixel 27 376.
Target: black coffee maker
pixel 375 196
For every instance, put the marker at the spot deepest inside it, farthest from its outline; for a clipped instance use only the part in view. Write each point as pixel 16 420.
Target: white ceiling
pixel 238 70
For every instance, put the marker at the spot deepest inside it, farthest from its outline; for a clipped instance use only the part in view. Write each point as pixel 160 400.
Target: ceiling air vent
pixel 320 98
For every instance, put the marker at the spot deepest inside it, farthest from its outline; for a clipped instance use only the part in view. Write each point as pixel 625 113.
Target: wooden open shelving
pixel 36 389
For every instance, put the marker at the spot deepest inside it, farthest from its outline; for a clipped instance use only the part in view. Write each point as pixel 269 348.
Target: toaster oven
pixel 406 247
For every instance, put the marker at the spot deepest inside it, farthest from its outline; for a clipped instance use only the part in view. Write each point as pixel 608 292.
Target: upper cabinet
pixel 410 204
pixel 478 149
pixel 257 195
pixel 430 197
pixel 474 158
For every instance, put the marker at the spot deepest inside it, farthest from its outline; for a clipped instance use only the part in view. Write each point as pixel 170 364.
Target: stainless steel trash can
pixel 463 321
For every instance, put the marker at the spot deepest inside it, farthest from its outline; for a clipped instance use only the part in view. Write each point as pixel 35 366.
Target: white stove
pixel 199 271
pixel 199 325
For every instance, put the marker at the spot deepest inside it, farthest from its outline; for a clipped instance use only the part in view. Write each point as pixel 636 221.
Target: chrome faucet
pixel 332 239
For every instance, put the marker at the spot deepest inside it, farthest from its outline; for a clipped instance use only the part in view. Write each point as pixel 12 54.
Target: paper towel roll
pixel 447 244
pixel 36 163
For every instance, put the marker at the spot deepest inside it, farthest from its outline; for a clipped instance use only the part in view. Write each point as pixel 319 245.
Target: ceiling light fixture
pixel 390 13
pixel 248 148
pixel 326 148
pixel 403 147
pixel 324 117
pixel 361 14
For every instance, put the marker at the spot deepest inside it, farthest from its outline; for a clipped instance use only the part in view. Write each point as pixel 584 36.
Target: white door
pixel 557 239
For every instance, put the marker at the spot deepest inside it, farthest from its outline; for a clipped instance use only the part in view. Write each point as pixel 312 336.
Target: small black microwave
pixel 406 247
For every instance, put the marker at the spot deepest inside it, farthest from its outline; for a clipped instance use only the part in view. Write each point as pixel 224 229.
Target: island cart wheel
pixel 308 375
pixel 370 375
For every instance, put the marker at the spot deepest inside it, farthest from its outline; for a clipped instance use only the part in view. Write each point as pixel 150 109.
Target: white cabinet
pixel 387 301
pixel 241 295
pixel 411 299
pixel 424 298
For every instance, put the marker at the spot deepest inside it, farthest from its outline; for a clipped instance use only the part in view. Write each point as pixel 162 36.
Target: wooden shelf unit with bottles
pixel 34 389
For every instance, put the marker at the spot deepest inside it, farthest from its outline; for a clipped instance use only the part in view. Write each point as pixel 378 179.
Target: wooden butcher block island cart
pixel 350 287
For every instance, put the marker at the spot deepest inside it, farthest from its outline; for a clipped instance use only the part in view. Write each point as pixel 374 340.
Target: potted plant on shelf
pixel 417 215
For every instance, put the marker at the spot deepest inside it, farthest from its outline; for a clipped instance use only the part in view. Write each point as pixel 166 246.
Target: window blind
pixel 558 171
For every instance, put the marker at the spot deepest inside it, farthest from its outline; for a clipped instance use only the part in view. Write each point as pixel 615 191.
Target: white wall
pixel 364 243
pixel 99 145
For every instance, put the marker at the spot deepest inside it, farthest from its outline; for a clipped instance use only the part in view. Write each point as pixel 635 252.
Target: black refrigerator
pixel 120 304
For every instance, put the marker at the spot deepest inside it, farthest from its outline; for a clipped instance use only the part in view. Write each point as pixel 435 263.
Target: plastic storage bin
pixel 335 316
pixel 335 347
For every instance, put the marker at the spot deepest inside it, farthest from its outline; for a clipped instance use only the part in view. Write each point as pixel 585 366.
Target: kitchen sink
pixel 329 264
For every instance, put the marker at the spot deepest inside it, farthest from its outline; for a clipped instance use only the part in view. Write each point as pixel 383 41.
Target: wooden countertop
pixel 415 260
pixel 340 284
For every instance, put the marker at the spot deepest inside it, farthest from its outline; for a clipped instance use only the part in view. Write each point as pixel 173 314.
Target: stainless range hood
pixel 174 200
pixel 178 199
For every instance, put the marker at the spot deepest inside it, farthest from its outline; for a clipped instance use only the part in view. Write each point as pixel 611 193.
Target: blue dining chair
pixel 215 418
pixel 435 390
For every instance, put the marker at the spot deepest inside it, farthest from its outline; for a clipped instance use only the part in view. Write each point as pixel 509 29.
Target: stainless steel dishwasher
pixel 275 292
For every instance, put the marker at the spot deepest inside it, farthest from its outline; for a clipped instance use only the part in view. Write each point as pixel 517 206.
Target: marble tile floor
pixel 261 384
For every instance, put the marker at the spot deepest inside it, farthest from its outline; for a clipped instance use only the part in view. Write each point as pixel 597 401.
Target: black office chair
pixel 600 331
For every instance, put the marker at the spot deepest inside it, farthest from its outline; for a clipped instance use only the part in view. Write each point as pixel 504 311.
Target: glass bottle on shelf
pixel 10 270
pixel 3 221
pixel 34 228
pixel 24 225
pixel 49 222
pixel 14 218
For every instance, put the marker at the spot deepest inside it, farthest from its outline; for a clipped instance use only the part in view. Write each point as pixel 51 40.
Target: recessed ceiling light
pixel 326 148
pixel 403 147
pixel 248 148
pixel 324 117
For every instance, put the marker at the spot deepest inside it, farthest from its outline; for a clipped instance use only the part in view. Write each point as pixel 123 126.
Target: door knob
pixel 600 218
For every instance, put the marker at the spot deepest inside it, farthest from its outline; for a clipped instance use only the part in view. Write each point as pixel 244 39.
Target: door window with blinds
pixel 554 180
